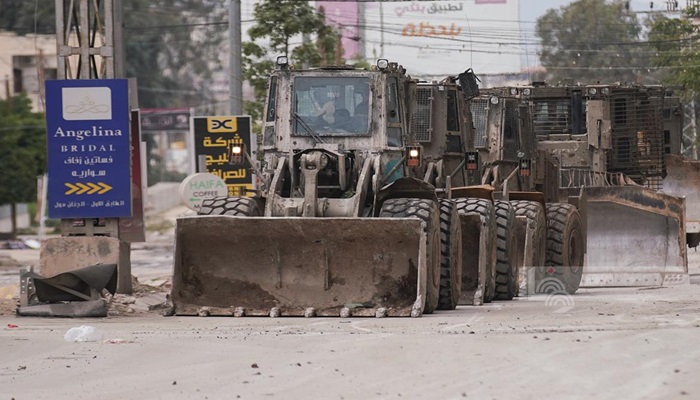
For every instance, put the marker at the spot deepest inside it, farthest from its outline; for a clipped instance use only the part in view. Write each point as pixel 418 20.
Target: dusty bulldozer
pixel 337 227
pixel 595 153
pixel 541 235
pixel 681 167
pixel 480 159
pixel 441 131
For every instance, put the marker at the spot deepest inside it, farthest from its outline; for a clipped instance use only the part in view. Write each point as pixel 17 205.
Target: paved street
pixel 641 343
pixel 611 344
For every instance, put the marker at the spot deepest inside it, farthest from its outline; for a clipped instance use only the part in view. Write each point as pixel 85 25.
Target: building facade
pixel 25 63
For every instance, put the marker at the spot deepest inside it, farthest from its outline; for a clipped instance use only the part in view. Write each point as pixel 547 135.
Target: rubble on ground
pixel 144 300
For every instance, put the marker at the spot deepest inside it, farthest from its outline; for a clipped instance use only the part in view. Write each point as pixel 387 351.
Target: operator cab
pixel 331 106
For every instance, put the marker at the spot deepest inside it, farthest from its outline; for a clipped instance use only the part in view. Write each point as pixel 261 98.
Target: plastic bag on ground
pixel 83 333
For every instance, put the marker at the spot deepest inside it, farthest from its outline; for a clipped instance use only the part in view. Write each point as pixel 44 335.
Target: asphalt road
pixel 631 343
pixel 605 344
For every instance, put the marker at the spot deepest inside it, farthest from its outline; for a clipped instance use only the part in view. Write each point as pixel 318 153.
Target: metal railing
pixel 575 178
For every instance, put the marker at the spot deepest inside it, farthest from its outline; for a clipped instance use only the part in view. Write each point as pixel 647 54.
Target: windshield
pixel 337 106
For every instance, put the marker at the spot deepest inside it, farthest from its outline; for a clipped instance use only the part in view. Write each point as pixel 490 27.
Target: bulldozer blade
pixel 683 180
pixel 476 258
pixel 636 237
pixel 277 266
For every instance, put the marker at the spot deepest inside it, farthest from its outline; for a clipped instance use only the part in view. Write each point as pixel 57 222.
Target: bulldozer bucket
pixel 278 266
pixel 478 223
pixel 476 258
pixel 635 237
pixel 683 180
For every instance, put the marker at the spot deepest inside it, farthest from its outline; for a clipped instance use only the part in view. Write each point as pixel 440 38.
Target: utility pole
pixel 689 147
pixel 118 28
pixel 361 23
pixel 690 130
pixel 305 39
pixel 98 53
pixel 236 72
pixel 381 30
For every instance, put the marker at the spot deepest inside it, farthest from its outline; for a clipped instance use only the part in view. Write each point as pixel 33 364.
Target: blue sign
pixel 87 127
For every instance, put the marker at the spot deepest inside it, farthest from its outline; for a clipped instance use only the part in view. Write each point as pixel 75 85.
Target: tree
pixel 591 41
pixel 172 47
pixel 22 152
pixel 677 50
pixel 19 16
pixel 280 22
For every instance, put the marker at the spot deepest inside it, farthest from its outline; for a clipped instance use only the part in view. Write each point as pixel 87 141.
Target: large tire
pixel 428 212
pixel 236 206
pixel 565 248
pixel 484 209
pixel 450 256
pixel 534 219
pixel 506 248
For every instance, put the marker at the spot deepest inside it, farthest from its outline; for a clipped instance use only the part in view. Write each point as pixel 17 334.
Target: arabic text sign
pixel 214 137
pixel 433 38
pixel 87 127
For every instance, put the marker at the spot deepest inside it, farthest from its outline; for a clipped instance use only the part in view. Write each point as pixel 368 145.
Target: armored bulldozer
pixel 441 131
pixel 681 175
pixel 503 215
pixel 536 227
pixel 337 227
pixel 596 155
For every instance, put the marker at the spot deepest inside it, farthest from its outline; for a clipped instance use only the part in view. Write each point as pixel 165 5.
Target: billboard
pixel 213 140
pixel 89 153
pixel 441 38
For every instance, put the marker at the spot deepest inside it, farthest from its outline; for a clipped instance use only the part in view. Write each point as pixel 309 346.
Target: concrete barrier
pixel 68 253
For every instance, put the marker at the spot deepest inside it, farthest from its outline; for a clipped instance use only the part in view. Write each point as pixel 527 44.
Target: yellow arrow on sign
pixel 83 188
pixel 71 188
pixel 89 188
pixel 93 188
pixel 105 188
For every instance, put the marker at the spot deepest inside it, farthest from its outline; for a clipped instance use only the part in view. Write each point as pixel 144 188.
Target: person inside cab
pixel 361 98
pixel 327 112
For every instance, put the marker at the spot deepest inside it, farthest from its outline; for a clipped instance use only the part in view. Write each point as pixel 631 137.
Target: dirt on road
pixel 600 343
pixel 151 267
pixel 608 343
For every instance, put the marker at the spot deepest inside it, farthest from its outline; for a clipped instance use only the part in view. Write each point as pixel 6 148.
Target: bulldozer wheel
pixel 565 250
pixel 450 256
pixel 428 212
pixel 237 206
pixel 535 218
pixel 483 208
pixel 506 246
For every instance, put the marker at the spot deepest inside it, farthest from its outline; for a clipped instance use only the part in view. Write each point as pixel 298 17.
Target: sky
pixel 530 10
